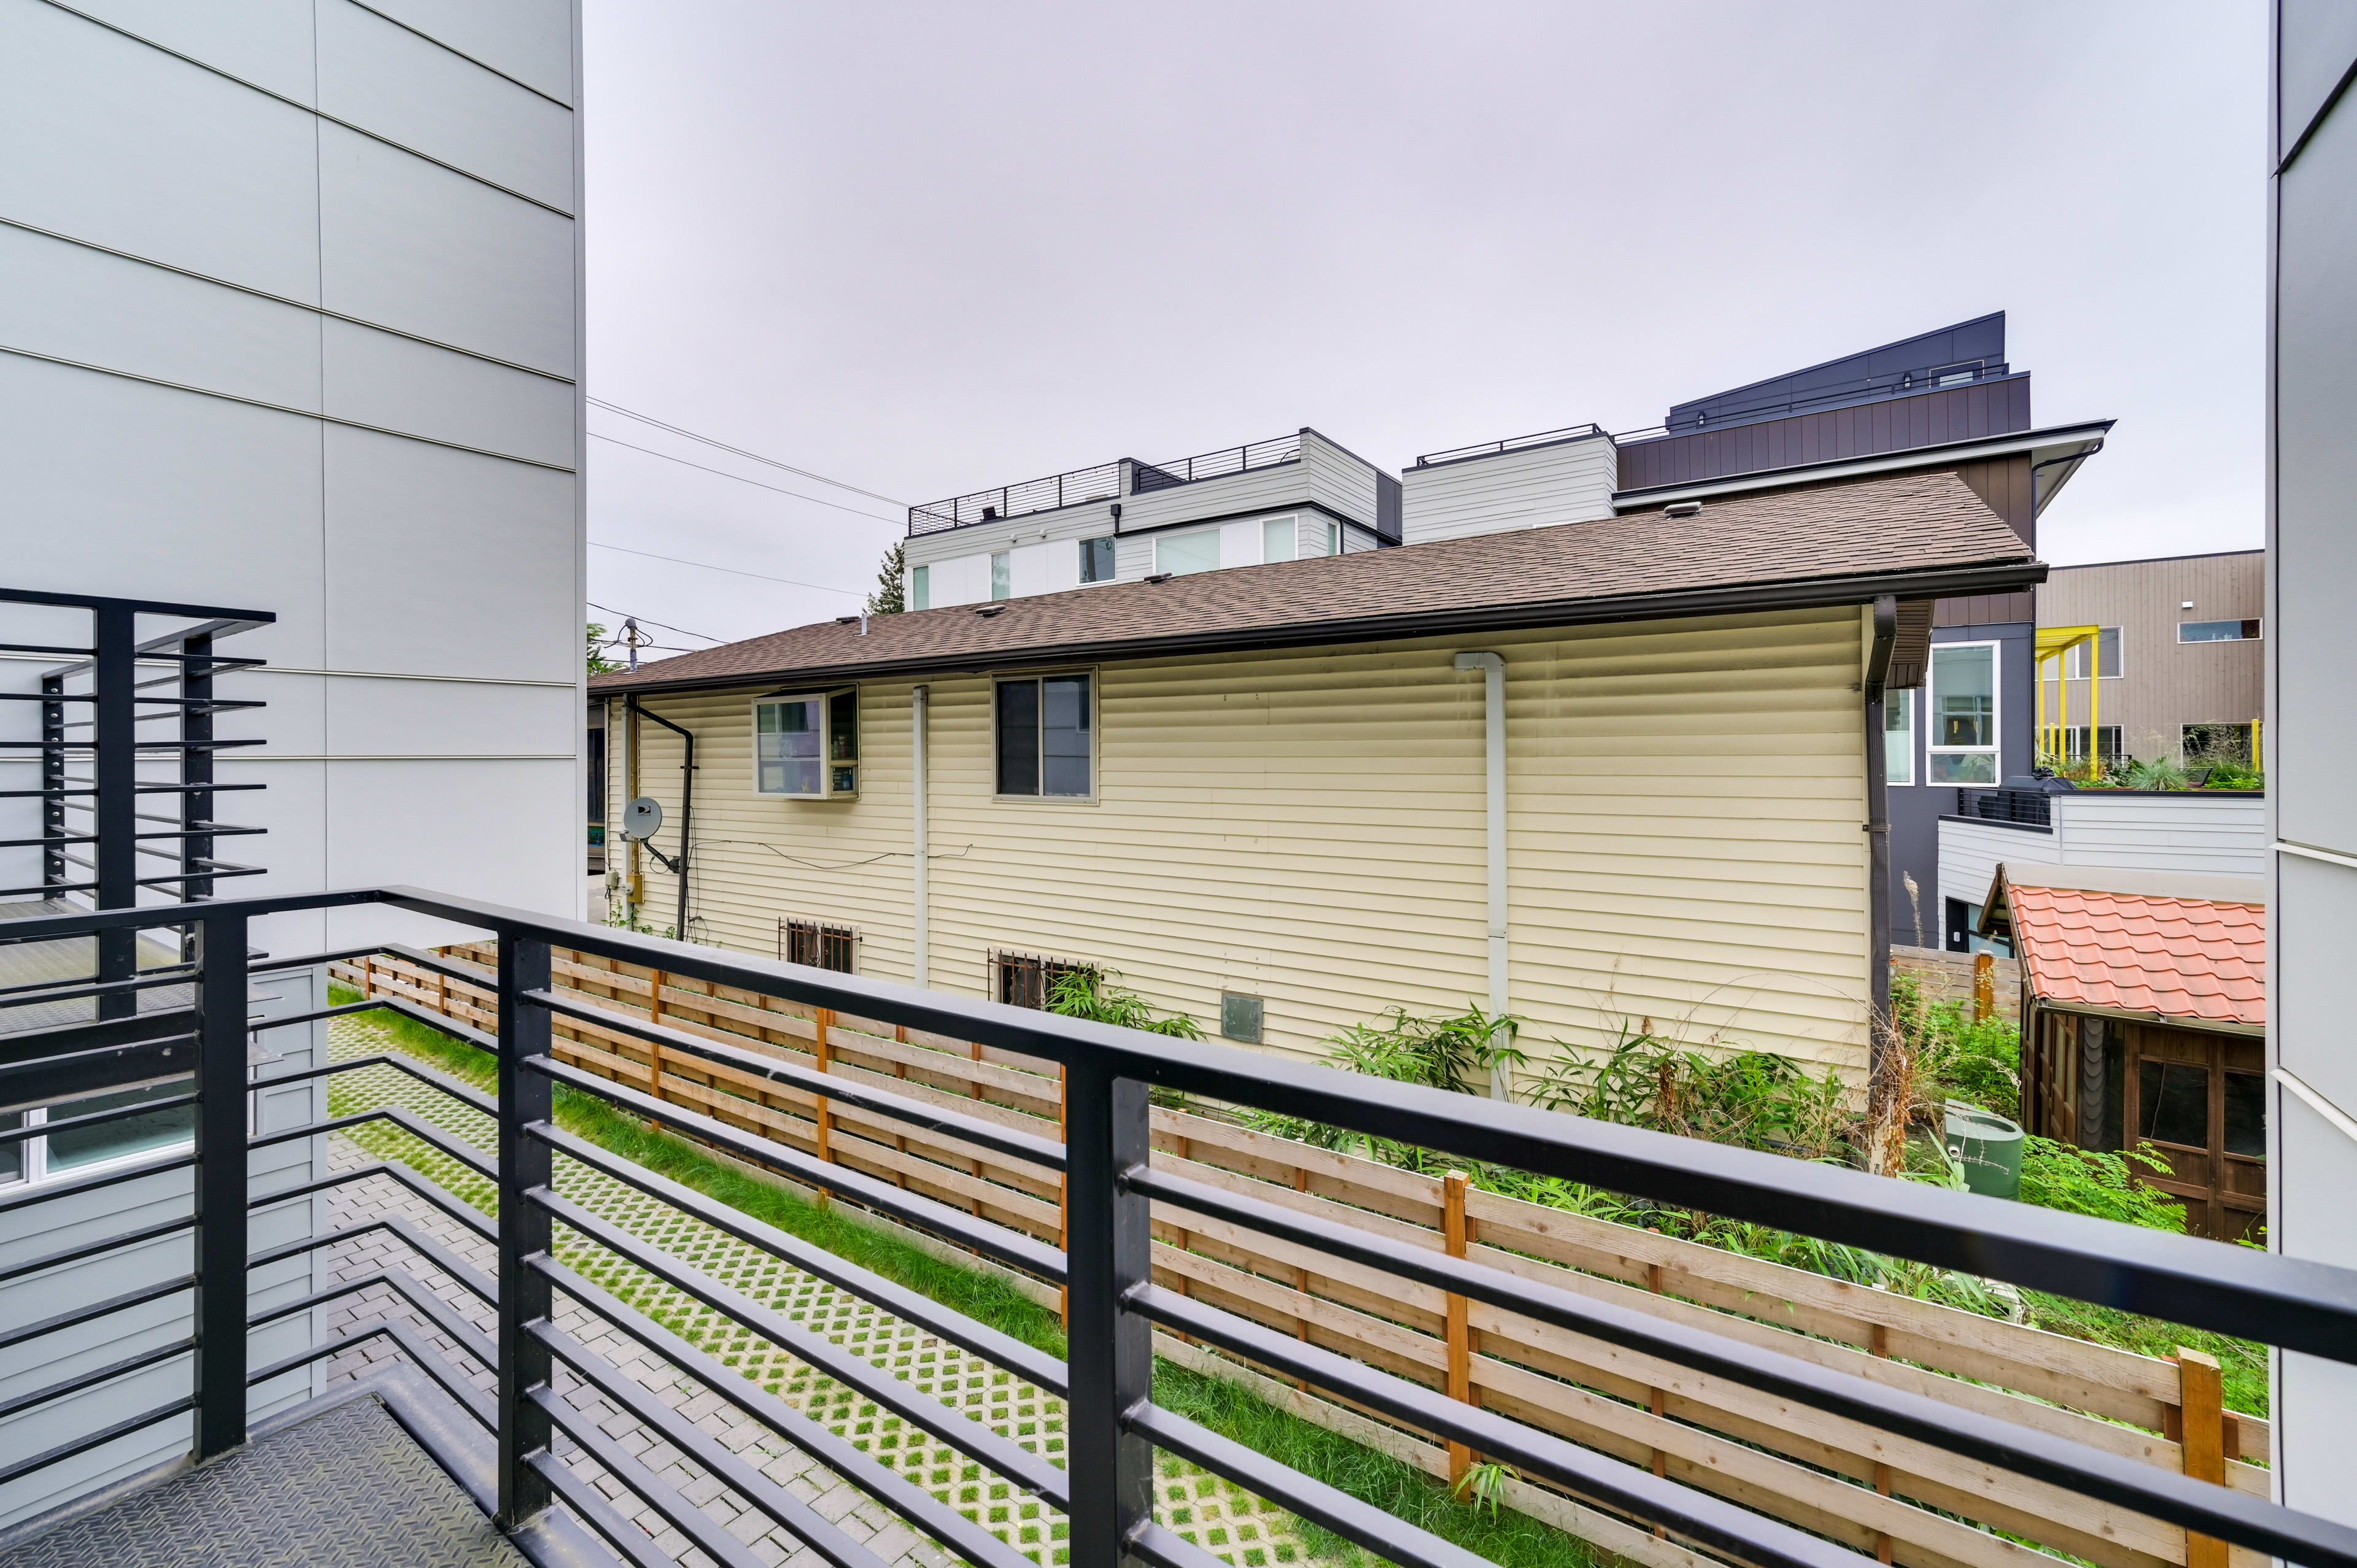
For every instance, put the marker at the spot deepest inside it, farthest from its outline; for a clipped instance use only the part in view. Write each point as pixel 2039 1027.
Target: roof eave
pixel 1978 447
pixel 1808 593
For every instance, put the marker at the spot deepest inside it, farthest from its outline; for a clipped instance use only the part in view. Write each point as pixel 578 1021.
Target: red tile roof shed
pixel 2124 953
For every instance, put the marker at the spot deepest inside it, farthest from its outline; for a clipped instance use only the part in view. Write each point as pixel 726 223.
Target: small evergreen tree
pixel 890 598
pixel 599 662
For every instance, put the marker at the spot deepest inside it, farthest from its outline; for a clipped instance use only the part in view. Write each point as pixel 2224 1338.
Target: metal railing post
pixel 1110 1349
pixel 221 1186
pixel 526 1096
pixel 54 872
pixel 114 775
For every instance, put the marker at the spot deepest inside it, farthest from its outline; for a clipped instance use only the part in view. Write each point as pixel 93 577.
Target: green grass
pixel 1399 1488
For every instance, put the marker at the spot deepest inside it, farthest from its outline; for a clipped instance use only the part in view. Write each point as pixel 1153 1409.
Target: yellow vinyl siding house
pixel 1284 804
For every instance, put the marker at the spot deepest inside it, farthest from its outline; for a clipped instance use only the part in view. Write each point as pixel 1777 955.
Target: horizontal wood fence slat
pixel 1907 1502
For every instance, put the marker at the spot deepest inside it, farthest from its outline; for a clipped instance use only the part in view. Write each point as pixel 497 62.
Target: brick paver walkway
pixel 1243 1531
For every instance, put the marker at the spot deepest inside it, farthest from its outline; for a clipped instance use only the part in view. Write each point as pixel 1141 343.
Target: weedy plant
pixel 1092 994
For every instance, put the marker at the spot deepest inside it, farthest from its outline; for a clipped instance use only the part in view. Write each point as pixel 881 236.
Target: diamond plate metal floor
pixel 348 1489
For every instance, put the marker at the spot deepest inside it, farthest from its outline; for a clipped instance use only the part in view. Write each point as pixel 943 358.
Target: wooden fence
pixel 1906 1502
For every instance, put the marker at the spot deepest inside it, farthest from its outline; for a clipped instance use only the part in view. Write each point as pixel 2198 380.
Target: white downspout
pixel 921 957
pixel 1494 707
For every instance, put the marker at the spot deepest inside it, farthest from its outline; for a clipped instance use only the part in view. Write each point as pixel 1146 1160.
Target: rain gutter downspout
pixel 1493 709
pixel 921 957
pixel 1878 819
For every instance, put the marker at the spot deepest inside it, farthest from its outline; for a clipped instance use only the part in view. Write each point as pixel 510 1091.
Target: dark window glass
pixel 1064 736
pixel 821 947
pixel 2175 1103
pixel 1025 981
pixel 1096 560
pixel 12 1155
pixel 2246 1114
pixel 1018 737
pixel 130 1135
pixel 843 726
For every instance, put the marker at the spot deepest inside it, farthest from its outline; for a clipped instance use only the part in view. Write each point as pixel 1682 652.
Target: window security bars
pixel 816 943
pixel 1024 979
pixel 1112 1425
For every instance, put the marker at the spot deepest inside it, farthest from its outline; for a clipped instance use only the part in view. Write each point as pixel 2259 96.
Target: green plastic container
pixel 1989 1148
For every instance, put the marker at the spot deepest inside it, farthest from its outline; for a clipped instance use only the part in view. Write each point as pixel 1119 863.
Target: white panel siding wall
pixel 1684 803
pixel 260 359
pixel 1970 852
pixel 2185 830
pixel 1339 477
pixel 1535 487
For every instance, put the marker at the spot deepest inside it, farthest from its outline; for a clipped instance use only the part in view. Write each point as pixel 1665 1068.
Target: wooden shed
pixel 2144 1020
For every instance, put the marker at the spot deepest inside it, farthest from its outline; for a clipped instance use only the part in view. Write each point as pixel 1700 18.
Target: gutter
pixel 1878 821
pixel 1812 593
pixel 686 804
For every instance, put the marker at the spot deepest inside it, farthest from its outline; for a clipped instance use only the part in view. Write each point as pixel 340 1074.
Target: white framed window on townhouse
pixel 1044 737
pixel 84 1151
pixel 2106 646
pixel 1181 555
pixel 1097 560
pixel 1899 736
pixel 2219 630
pixel 1002 574
pixel 921 587
pixel 1965 714
pixel 1280 539
pixel 806 747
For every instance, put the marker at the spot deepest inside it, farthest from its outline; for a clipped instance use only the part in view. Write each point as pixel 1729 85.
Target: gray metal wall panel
pixel 266 42
pixel 141 152
pixel 2319 40
pixel 398 383
pixel 528 39
pixel 416 247
pixel 386 78
pixel 76 303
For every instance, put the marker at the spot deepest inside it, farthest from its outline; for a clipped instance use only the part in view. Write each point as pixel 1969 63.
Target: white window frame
pixel 1908 695
pixel 1080 560
pixel 1002 576
pixel 827 762
pixel 1212 533
pixel 921 587
pixel 2222 620
pixel 1096 736
pixel 2119 642
pixel 1288 526
pixel 1930 720
pixel 34 1153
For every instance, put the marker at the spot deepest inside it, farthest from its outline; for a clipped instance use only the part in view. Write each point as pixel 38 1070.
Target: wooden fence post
pixel 1460 1332
pixel 654 1049
pixel 2201 1434
pixel 822 1118
pixel 1984 986
pixel 1878 1344
pixel 1656 1400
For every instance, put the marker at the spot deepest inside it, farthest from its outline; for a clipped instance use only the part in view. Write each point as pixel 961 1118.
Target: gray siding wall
pixel 2212 834
pixel 2312 761
pixel 1535 487
pixel 290 319
pixel 2165 684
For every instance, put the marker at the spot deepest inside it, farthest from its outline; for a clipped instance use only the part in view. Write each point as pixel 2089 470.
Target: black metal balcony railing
pixel 1112 1424
pixel 1105 481
pixel 1511 444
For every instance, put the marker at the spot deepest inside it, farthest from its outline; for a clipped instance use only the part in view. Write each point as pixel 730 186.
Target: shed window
pixel 817 944
pixel 807 746
pixel 2218 631
pixel 1899 736
pixel 1043 741
pixel 1963 744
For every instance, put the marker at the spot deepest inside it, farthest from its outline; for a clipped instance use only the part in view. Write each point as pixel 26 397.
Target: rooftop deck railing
pixel 1112 1424
pixel 1105 481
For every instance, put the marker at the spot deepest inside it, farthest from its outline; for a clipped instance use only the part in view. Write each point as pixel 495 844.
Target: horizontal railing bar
pixel 466 1154
pixel 895 1106
pixel 61 1052
pixel 94 1118
pixel 1714 1521
pixel 433 1194
pixel 2025 1451
pixel 996 1240
pixel 478 1284
pixel 788 1512
pixel 92 1249
pixel 456 1088
pixel 46 889
pixel 477 1345
pixel 590 1506
pixel 90 1440
pixel 95 1376
pixel 49 839
pixel 50 1192
pixel 152 1291
pixel 700 1528
pixel 313 1017
pixel 1024 1361
pixel 880 1481
pixel 1387 1535
pixel 45 648
pixel 420 1354
pixel 308 961
pixel 969 1438
pixel 29 996
pixel 1165 1548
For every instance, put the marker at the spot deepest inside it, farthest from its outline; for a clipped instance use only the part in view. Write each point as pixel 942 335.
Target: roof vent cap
pixel 847 620
pixel 1682 509
pixel 986 611
pixel 1160 577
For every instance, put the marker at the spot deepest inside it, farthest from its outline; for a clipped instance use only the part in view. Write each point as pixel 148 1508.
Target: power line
pixel 739 451
pixel 819 500
pixel 628 616
pixel 676 561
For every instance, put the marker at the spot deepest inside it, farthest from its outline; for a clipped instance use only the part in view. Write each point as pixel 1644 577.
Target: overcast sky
pixel 928 248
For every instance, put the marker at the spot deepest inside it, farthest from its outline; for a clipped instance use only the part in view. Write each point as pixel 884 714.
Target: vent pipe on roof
pixel 1682 509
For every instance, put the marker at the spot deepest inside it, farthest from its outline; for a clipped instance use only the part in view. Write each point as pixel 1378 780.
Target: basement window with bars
pixel 1027 980
pixel 817 944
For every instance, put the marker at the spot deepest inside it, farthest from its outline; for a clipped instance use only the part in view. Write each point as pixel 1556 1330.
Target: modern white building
pixel 291 323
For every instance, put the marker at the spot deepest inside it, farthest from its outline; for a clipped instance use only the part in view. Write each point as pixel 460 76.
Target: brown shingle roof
pixel 1919 535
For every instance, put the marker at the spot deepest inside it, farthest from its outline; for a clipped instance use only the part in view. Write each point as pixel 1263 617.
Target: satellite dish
pixel 643 818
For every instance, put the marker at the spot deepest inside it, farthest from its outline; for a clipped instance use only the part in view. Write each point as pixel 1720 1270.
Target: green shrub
pixel 1087 993
pixel 1755 1099
pixel 2097 1183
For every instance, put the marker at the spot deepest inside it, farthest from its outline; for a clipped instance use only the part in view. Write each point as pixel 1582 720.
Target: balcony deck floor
pixel 348 1489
